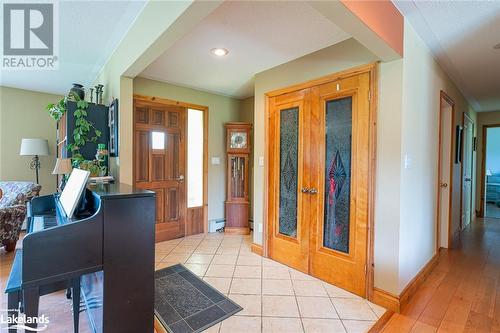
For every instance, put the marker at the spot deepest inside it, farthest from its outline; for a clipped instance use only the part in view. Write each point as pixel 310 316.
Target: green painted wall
pixel 23 115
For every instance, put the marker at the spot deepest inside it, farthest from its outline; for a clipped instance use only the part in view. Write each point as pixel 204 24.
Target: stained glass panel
pixel 338 174
pixel 289 150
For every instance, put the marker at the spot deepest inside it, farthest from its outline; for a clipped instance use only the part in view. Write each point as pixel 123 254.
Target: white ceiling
pixel 89 31
pixel 461 34
pixel 258 34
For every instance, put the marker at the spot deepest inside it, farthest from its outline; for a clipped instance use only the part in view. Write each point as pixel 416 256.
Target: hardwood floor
pixel 462 294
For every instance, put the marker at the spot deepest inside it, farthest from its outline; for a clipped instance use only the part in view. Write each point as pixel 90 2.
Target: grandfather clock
pixel 238 151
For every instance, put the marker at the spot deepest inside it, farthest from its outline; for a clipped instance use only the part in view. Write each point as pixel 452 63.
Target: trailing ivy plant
pixel 57 110
pixel 84 130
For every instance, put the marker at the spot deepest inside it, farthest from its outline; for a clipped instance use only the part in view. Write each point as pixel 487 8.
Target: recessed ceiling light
pixel 497 46
pixel 220 52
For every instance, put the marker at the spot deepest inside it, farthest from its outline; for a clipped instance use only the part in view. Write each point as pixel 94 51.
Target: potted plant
pixel 83 133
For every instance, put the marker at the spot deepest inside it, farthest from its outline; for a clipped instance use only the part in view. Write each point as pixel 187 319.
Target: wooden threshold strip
pixel 381 322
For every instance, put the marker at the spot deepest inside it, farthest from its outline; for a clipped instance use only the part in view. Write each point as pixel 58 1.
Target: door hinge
pixel 366 269
pixel 369 95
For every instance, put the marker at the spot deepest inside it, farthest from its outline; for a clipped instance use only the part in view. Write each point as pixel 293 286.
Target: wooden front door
pixel 159 163
pixel 319 179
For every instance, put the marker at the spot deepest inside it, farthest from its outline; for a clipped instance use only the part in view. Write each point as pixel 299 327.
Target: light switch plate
pixel 408 161
pixel 215 160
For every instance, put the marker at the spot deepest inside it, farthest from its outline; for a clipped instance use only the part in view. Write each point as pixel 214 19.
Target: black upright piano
pixel 107 251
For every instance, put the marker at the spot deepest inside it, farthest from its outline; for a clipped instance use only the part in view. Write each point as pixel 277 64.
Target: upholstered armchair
pixel 13 200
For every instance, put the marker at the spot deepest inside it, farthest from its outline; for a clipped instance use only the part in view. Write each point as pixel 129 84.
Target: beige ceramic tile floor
pixel 274 297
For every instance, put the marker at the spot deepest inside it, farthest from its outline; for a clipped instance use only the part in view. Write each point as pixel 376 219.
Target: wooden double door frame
pixel 170 117
pixel 359 84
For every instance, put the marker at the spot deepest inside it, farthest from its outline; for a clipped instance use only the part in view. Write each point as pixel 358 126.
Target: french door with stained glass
pixel 320 167
pixel 288 231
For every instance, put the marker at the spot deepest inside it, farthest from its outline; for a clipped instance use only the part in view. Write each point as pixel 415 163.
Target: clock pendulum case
pixel 238 152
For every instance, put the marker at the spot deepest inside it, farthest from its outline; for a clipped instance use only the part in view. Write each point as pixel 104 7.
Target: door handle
pixel 309 190
pixel 443 185
pixel 180 179
pixel 468 179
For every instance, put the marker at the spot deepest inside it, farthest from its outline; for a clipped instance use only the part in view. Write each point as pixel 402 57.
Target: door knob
pixel 313 191
pixel 305 190
pixel 443 185
pixel 180 178
pixel 468 179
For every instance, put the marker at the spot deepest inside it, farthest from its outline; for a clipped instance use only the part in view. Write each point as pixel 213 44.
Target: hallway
pixel 462 294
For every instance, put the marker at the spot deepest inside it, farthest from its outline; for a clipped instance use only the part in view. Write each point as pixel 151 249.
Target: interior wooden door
pixel 445 167
pixel 340 148
pixel 159 163
pixel 467 172
pixel 288 235
pixel 319 175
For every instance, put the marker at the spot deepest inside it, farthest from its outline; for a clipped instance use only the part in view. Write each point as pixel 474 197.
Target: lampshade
pixel 31 147
pixel 63 166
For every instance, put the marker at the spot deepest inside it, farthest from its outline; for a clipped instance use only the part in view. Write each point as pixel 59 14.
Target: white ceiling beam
pixel 351 24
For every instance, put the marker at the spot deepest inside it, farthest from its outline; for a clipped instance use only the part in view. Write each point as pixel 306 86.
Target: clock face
pixel 238 140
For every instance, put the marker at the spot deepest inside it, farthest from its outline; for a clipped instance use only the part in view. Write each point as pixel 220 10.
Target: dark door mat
pixel 186 304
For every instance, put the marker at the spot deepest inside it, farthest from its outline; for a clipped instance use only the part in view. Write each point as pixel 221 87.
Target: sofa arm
pixel 11 220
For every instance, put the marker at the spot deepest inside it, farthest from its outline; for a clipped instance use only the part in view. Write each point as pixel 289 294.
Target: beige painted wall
pixel 221 110
pixel 23 115
pixel 423 79
pixel 333 59
pixel 388 176
pixel 483 118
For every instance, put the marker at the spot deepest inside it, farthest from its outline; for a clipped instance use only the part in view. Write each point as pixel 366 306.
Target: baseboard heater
pixel 218 224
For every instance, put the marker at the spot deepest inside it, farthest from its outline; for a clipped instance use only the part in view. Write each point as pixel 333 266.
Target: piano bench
pixel 25 300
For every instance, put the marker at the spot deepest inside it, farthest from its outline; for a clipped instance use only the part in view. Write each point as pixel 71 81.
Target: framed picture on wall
pixel 113 128
pixel 459 144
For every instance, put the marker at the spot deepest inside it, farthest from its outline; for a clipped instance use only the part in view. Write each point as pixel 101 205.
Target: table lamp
pixel 35 148
pixel 63 167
